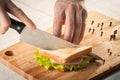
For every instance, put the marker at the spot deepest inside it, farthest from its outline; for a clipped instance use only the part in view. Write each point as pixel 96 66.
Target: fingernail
pixel 33 26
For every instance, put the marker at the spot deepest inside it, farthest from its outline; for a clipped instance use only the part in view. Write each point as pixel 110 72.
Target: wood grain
pixel 22 60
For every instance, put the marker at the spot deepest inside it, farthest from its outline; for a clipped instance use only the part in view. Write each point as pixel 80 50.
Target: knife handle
pixel 16 25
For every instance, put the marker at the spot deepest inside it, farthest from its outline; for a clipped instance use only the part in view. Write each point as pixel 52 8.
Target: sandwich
pixel 68 59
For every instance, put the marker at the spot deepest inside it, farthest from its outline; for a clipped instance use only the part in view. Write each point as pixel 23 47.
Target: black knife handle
pixel 16 25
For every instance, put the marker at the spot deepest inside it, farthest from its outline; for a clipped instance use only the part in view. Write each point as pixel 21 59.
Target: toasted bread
pixel 66 55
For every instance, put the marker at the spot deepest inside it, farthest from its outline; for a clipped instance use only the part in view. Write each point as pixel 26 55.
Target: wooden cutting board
pixel 20 57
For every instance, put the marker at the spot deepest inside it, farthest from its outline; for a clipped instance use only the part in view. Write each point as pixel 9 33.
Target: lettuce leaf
pixel 45 62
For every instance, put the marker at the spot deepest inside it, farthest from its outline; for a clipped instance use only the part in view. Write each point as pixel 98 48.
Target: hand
pixel 7 6
pixel 73 14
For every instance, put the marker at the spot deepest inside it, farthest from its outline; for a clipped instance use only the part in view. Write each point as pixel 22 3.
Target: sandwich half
pixel 68 59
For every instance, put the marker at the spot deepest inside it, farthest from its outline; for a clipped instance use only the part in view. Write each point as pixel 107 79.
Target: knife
pixel 43 39
pixel 39 38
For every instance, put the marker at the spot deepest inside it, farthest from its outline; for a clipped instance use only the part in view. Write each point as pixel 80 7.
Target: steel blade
pixel 44 40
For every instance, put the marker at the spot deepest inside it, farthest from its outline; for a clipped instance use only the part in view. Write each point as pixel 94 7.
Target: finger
pixel 14 10
pixel 84 16
pixel 78 23
pixel 57 26
pixel 59 16
pixel 70 22
pixel 4 21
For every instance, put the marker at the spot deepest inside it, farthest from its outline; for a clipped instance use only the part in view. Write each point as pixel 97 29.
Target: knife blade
pixel 40 38
pixel 43 39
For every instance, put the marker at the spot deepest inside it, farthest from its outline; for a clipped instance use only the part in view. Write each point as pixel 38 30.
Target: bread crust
pixel 66 55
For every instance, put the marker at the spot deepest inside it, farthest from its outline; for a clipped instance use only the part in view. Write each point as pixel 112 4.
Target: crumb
pixel 92 22
pixel 110 54
pixel 103 62
pixel 108 50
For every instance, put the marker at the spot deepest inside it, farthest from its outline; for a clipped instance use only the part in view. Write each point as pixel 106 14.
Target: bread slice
pixel 67 54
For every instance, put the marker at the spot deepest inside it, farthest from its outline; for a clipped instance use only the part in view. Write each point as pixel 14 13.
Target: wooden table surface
pixel 42 14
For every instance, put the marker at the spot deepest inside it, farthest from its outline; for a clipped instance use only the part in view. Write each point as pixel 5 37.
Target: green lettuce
pixel 46 62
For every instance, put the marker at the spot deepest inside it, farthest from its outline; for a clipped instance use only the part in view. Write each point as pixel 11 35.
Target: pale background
pixel 41 12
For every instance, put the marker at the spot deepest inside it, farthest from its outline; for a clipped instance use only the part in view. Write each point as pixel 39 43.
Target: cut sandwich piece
pixel 66 55
pixel 46 62
pixel 77 56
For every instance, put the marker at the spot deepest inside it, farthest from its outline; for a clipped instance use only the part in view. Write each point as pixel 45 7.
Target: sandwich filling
pixel 49 65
